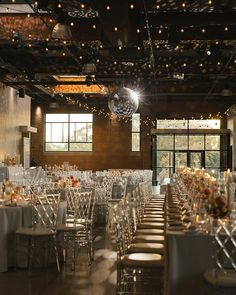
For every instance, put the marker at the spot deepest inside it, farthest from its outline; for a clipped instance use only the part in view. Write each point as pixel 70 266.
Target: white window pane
pixel 57 132
pixel 135 142
pixel 56 117
pixel 48 135
pixel 204 124
pixel 65 132
pixel 72 132
pixel 81 117
pixel 81 130
pixel 89 132
pixel 136 122
pixel 81 147
pixel 56 147
pixel 172 124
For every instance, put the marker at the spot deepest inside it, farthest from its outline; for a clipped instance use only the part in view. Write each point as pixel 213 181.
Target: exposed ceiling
pixel 162 48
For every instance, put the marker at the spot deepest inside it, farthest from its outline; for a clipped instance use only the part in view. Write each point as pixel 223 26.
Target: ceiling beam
pixel 190 18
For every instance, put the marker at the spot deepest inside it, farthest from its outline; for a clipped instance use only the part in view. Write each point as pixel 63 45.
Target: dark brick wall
pixel 111 144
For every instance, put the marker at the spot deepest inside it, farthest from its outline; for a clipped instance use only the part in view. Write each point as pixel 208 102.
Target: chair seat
pixel 151 225
pixel 35 232
pixel 153 211
pixel 69 227
pixel 145 260
pixel 221 278
pixel 149 231
pixel 148 238
pixel 156 206
pixel 153 215
pixel 153 219
pixel 146 248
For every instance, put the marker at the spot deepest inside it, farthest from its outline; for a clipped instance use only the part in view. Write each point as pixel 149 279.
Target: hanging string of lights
pixel 161 30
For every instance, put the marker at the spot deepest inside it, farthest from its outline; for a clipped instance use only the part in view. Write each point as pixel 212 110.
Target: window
pixel 68 132
pixel 188 124
pixel 183 147
pixel 136 132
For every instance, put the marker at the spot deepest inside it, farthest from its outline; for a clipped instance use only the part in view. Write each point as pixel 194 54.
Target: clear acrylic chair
pixel 223 276
pixel 78 227
pixel 41 236
pixel 137 272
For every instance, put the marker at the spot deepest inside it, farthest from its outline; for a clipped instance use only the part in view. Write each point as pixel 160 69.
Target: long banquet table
pixel 12 218
pixel 189 255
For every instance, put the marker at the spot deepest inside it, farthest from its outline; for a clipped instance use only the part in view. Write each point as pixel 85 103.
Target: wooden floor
pixel 99 280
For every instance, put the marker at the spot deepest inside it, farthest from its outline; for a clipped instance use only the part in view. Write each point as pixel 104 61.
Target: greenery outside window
pixel 68 132
pixel 171 150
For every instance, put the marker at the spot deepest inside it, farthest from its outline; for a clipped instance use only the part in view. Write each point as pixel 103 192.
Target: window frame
pixel 69 142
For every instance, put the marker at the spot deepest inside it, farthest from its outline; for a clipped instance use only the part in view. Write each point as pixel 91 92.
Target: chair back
pixel 71 194
pixel 225 240
pixel 45 210
pixel 84 205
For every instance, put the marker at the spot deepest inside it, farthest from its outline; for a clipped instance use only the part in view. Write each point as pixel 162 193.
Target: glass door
pixel 181 159
pixel 196 159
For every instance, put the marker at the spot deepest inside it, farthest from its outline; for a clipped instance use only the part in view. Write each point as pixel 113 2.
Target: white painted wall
pixel 14 112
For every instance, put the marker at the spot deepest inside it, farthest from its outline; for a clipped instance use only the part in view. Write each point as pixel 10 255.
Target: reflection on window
pixel 136 132
pixel 181 142
pixel 165 142
pixel 196 142
pixel 212 159
pixel 68 132
pixel 180 159
pixel 212 142
pixel 164 159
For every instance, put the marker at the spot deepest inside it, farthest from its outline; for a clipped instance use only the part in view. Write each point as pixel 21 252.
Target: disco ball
pixel 124 102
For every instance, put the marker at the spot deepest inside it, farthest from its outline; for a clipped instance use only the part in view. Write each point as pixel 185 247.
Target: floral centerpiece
pixel 10 191
pixel 69 181
pixel 204 191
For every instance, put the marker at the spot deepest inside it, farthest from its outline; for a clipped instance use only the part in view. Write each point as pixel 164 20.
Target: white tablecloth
pixel 12 218
pixel 188 257
pixel 13 173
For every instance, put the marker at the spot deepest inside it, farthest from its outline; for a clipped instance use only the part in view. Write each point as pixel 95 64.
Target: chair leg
pixel 56 253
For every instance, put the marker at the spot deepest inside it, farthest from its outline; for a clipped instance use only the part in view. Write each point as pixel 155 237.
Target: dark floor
pixel 99 280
